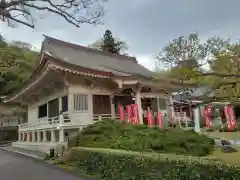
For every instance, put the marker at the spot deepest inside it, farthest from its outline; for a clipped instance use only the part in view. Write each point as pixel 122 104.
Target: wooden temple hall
pixel 74 86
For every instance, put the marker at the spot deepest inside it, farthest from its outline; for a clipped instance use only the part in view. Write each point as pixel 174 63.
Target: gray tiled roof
pixel 197 92
pixel 94 59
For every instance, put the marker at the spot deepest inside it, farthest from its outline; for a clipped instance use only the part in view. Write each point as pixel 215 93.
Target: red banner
pixel 129 113
pixel 232 117
pixel 226 112
pixel 207 115
pixel 160 118
pixel 121 112
pixel 149 117
pixel 136 119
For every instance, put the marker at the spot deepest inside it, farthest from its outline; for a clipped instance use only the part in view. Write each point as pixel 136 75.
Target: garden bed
pixel 125 165
pixel 114 134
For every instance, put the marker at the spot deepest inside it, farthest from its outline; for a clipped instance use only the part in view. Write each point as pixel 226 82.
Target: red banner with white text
pixel 136 119
pixel 232 118
pixel 149 117
pixel 121 112
pixel 208 115
pixel 160 118
pixel 129 113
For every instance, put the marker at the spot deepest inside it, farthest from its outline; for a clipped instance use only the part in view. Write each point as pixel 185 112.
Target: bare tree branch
pixel 76 12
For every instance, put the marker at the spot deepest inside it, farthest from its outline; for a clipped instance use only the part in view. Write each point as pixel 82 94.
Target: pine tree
pixel 110 44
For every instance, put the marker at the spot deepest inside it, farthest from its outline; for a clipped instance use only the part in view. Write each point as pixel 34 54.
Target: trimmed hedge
pixel 122 165
pixel 115 134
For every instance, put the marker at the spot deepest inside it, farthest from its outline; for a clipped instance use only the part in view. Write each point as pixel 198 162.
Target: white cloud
pixel 146 61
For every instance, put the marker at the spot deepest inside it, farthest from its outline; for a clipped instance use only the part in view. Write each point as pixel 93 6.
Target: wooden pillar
pixel 39 136
pixel 53 137
pixel 196 117
pixel 19 136
pixel 44 136
pixel 61 135
pixel 70 104
pixel 28 136
pixel 139 103
pixel 112 107
pixel 33 136
pixel 158 105
pixel 60 104
pixel 170 109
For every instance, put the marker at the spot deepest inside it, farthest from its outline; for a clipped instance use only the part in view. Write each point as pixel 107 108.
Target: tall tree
pixel 185 52
pixel 188 56
pixel 225 64
pixel 16 65
pixel 75 12
pixel 110 44
pixel 183 56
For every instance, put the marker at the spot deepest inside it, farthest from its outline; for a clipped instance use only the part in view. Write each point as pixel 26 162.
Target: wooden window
pixel 65 103
pixel 101 104
pixel 53 108
pixel 80 102
pixel 42 111
pixel 162 103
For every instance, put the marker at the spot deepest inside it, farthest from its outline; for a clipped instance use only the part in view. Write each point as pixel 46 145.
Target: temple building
pixel 74 86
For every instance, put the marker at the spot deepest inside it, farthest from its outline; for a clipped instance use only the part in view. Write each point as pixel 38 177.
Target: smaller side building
pixel 11 115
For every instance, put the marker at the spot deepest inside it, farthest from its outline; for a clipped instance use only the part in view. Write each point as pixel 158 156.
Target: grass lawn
pixel 230 158
pixel 224 135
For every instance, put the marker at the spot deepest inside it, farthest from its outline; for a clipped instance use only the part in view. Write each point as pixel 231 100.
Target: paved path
pixel 19 167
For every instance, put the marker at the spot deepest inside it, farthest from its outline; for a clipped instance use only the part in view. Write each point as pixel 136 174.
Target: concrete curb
pixel 29 155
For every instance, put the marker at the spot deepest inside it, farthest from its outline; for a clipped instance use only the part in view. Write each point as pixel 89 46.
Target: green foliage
pixel 227 63
pixel 116 165
pixel 116 134
pixel 16 64
pixel 110 44
pixel 183 52
pixel 188 58
pixel 8 135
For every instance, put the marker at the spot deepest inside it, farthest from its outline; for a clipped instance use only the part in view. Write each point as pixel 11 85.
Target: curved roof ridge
pixel 77 46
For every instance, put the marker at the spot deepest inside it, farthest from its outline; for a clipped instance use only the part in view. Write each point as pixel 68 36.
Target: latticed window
pixel 162 103
pixel 80 102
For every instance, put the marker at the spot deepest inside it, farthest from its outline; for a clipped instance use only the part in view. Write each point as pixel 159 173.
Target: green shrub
pixel 224 128
pixel 123 165
pixel 8 135
pixel 52 153
pixel 120 135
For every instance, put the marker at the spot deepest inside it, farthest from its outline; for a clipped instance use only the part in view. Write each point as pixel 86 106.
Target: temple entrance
pixel 123 101
pixel 101 104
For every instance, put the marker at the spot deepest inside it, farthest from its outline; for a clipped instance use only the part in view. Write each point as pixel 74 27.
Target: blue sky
pixel 145 25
